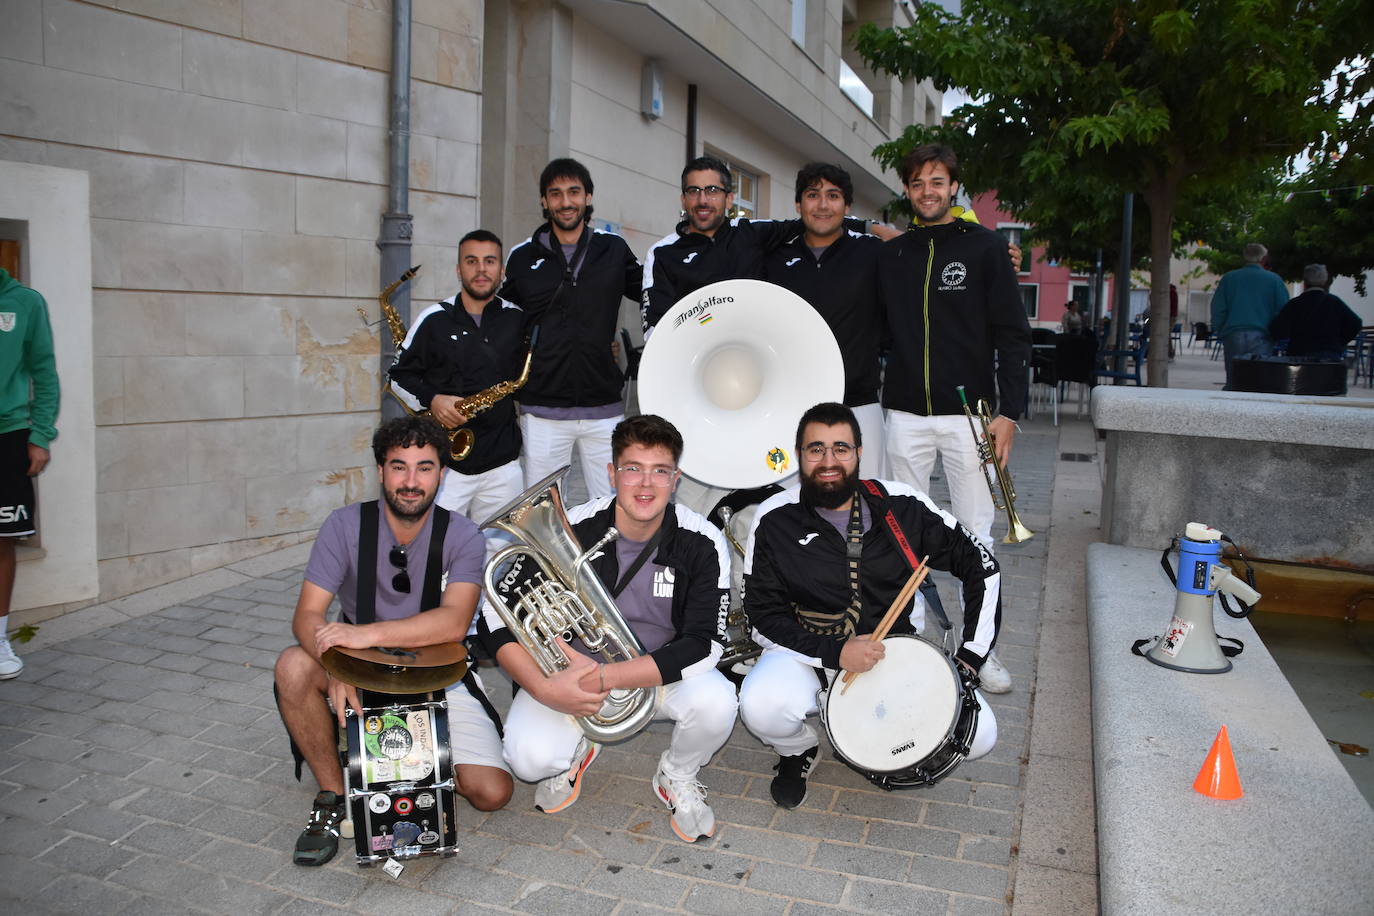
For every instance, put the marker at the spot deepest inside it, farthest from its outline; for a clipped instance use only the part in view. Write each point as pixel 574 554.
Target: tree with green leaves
pixel 1323 216
pixel 1078 101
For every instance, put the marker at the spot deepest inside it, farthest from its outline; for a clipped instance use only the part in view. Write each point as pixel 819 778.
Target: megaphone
pixel 734 365
pixel 1190 643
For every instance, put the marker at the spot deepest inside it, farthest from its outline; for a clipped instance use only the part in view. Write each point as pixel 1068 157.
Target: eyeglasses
pixel 711 190
pixel 842 451
pixel 401 581
pixel 633 475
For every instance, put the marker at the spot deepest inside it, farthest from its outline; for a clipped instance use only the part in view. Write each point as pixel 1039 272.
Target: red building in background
pixel 1045 285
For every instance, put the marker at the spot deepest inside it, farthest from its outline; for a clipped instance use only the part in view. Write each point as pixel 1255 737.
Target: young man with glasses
pixel 709 245
pixel 570 280
pixel 669 572
pixel 822 566
pixel 409 469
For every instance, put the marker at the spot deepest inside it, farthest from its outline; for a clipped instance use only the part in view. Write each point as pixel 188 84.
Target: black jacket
pixel 953 302
pixel 691 546
pixel 795 557
pixel 577 313
pixel 685 261
pixel 1315 322
pixel 446 352
pixel 842 286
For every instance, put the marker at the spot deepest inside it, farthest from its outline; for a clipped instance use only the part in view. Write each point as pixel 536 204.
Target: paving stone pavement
pixel 143 769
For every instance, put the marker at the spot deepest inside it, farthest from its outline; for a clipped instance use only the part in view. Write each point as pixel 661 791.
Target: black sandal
pixel 320 839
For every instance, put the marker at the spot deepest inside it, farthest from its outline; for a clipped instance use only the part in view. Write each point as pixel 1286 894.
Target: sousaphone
pixel 734 365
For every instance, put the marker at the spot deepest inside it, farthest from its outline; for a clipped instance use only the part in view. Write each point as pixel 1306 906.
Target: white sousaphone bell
pixel 733 366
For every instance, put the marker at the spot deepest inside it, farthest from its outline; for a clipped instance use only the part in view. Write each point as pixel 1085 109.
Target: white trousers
pixel 780 693
pixel 540 742
pixel 549 445
pixel 478 496
pixel 873 464
pixel 912 444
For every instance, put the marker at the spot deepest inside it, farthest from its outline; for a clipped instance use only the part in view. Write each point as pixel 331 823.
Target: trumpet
pixel 460 438
pixel 987 454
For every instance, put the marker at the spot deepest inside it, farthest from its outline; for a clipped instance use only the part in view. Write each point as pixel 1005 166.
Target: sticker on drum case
pixel 427 837
pixel 404 805
pixel 424 801
pixel 379 803
pixel 418 763
pixel 404 833
pixel 373 725
pixel 777 459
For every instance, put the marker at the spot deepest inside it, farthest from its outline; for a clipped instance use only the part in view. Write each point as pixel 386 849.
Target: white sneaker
pixel 10 664
pixel 692 818
pixel 993 676
pixel 558 792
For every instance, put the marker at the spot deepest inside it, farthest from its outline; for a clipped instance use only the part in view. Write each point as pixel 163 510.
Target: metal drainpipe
pixel 394 242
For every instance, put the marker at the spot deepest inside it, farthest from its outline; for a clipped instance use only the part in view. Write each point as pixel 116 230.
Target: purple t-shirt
pixel 840 517
pixel 334 560
pixel 647 601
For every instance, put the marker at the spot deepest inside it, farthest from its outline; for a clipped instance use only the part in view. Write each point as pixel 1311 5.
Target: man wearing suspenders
pixel 407 573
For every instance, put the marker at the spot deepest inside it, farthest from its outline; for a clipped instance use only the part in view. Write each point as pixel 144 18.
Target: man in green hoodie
pixel 28 410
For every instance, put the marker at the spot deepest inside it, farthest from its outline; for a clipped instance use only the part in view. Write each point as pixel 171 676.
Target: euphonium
pixel 564 597
pixel 460 439
pixel 987 454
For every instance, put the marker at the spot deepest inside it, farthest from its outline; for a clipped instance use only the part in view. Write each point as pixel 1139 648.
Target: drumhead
pixel 897 713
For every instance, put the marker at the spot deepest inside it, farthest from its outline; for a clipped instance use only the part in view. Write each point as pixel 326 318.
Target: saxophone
pixel 460 439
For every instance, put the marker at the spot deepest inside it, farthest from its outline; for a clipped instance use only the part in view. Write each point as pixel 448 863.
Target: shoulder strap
pixel 899 536
pixel 365 599
pixel 434 561
pixel 638 563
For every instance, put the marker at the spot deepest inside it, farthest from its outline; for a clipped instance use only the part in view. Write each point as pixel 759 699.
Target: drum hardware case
pixel 373 830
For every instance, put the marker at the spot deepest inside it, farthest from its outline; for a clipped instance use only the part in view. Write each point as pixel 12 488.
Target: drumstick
pixel 918 575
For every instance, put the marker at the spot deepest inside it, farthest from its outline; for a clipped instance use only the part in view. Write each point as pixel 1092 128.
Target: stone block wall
pixel 237 153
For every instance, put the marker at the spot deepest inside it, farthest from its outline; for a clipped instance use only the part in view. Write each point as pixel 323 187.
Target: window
pixel 1082 293
pixel 853 87
pixel 1030 295
pixel 746 185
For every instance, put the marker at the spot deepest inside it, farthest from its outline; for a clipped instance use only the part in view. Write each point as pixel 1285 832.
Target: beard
pixel 411 512
pixel 831 494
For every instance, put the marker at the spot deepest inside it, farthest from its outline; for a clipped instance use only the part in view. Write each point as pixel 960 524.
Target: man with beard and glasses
pixel 709 245
pixel 409 469
pixel 455 348
pixel 821 569
pixel 955 317
pixel 571 279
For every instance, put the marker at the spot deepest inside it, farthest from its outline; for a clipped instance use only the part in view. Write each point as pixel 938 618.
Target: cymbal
pixel 417 670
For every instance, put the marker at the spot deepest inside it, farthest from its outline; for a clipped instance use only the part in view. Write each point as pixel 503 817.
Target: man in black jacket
pixel 669 571
pixel 955 317
pixel 1316 324
pixel 821 569
pixel 836 270
pixel 456 348
pixel 570 280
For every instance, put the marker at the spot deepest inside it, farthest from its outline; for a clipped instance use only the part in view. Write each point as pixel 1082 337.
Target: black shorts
pixel 16 486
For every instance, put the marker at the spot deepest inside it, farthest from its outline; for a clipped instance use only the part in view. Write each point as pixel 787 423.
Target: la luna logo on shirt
pixel 663 583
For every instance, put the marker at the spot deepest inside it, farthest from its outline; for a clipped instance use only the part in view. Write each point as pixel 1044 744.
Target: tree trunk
pixel 1160 195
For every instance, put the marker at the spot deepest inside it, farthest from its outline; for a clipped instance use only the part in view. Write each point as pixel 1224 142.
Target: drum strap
pixel 842 624
pixel 639 562
pixel 899 536
pixel 365 598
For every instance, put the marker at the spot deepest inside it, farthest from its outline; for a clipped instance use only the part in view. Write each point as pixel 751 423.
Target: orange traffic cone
pixel 1218 777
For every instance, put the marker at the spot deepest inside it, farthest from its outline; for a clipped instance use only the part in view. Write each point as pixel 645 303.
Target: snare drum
pixel 400 777
pixel 906 722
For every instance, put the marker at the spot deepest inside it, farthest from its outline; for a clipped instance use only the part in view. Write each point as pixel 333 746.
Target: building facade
pixel 236 155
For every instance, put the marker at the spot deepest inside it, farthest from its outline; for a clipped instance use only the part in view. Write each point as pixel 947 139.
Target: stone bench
pixel 1301 840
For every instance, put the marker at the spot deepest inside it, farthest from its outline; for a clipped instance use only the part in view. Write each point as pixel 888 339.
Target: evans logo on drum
pixel 701 306
pixel 902 747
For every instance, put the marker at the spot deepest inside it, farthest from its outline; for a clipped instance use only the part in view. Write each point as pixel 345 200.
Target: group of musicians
pixel 824 558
